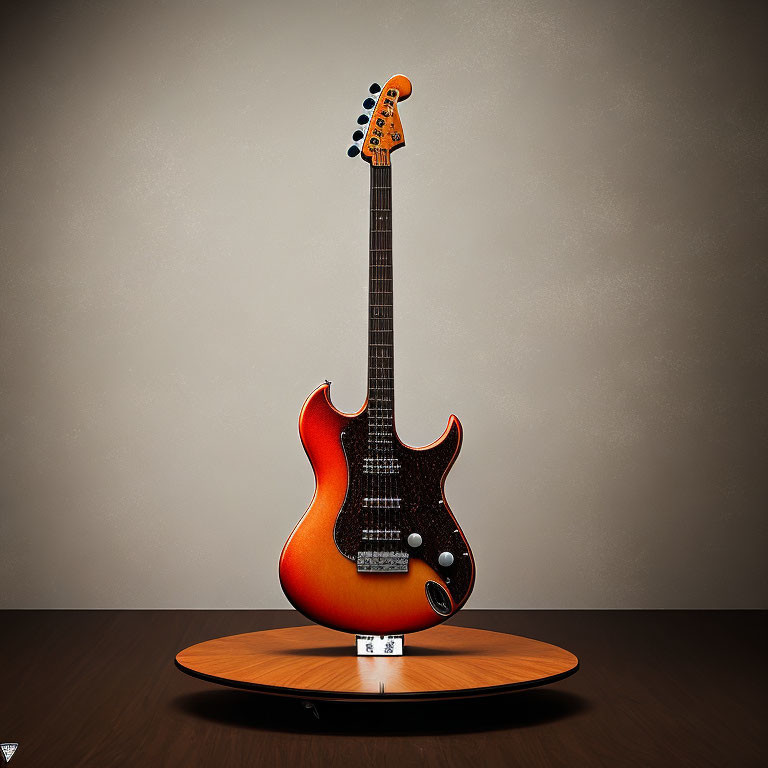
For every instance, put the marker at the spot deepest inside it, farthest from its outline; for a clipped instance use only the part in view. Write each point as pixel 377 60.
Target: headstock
pixel 381 131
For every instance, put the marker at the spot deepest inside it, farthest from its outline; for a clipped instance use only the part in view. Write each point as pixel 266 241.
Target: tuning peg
pixel 375 88
pixel 353 151
pixel 362 120
pixel 369 103
pixel 357 135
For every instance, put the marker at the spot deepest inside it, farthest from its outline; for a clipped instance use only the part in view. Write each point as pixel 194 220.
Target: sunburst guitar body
pixel 378 551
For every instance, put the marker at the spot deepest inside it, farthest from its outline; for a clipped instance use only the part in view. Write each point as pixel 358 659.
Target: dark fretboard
pixel 380 341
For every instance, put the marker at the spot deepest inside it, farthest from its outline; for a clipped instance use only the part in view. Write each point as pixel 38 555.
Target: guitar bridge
pixel 382 562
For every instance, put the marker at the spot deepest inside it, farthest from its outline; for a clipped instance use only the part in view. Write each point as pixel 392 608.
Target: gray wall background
pixel 580 275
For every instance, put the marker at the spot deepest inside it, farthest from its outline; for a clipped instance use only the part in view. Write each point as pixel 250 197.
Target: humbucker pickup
pixel 381 466
pixel 381 502
pixel 381 534
pixel 382 562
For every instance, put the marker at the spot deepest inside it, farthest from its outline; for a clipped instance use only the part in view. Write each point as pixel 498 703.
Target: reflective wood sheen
pixel 98 689
pixel 315 662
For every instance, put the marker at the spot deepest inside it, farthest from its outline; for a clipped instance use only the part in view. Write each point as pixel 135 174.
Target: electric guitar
pixel 378 550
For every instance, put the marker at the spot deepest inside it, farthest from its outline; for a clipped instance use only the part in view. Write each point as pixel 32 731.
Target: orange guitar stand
pixel 313 663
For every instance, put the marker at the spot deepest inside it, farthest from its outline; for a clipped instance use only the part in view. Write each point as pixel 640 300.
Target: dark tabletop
pixel 655 688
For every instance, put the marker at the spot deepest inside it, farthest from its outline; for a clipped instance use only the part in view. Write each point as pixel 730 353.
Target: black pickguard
pixel 419 485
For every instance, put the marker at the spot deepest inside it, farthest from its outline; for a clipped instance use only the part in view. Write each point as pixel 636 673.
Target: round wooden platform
pixel 313 662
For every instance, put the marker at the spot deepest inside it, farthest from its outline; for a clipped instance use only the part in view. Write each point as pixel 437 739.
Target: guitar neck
pixel 380 335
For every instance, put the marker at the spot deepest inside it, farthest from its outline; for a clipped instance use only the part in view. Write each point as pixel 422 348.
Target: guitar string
pixel 385 334
pixel 373 421
pixel 391 495
pixel 382 504
pixel 371 479
pixel 371 428
pixel 372 381
pixel 384 352
pixel 381 258
pixel 385 311
pixel 378 337
pixel 376 381
pixel 377 260
pixel 391 420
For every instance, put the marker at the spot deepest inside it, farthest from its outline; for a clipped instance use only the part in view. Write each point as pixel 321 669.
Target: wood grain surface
pixel 655 688
pixel 316 662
